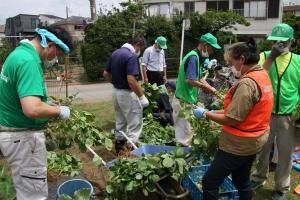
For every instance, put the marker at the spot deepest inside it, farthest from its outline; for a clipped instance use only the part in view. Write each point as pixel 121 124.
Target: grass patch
pixel 104 112
pixel 266 192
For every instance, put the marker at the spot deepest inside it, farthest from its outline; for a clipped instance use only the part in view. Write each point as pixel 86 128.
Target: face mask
pixel 158 50
pixel 236 73
pixel 204 54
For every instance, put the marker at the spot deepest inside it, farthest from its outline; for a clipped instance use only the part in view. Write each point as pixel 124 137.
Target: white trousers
pixel 183 129
pixel 26 154
pixel 129 114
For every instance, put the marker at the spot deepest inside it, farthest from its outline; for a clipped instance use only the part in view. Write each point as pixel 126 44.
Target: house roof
pixel 291 8
pixel 76 20
pixel 2 28
pixel 51 16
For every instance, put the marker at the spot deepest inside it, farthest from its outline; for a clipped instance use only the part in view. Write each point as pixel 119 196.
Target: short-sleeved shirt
pixel 154 60
pixel 21 76
pixel 245 95
pixel 284 59
pixel 121 63
pixel 191 68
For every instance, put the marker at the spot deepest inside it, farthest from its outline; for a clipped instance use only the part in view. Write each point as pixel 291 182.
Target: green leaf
pixel 109 189
pixel 82 194
pixel 97 160
pixel 154 178
pixel 129 186
pixel 168 162
pixel 179 152
pixel 108 144
pixel 138 176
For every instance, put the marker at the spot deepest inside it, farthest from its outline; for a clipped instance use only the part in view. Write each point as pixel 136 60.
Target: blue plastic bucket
pixel 71 186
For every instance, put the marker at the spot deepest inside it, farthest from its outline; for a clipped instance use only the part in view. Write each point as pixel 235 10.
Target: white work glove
pixel 144 101
pixel 64 112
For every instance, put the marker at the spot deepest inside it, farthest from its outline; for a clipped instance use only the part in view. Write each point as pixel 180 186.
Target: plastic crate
pixel 195 175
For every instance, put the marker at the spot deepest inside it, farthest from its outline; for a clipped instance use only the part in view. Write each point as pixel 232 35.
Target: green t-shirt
pixel 21 76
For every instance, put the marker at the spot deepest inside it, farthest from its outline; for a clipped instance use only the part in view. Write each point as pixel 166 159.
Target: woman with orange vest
pixel 245 119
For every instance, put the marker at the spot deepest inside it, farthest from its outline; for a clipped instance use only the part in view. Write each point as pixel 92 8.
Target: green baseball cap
pixel 162 41
pixel 281 32
pixel 211 40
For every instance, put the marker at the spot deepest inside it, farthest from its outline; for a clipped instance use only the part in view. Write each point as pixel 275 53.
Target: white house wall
pixel 200 7
pixel 257 27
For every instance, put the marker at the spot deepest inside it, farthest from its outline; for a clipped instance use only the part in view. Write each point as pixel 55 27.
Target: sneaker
pixel 279 196
pixel 255 185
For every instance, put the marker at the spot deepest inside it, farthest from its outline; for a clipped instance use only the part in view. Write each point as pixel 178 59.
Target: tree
pixel 293 21
pixel 107 34
pixel 5 50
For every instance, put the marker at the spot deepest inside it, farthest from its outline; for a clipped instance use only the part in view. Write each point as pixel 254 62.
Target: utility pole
pixel 67 12
pixel 93 10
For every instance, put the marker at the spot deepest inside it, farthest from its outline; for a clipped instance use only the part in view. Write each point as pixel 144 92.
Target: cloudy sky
pixel 10 8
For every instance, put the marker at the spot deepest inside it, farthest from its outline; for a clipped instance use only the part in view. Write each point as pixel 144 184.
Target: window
pixel 256 9
pixel 217 5
pixel 78 27
pixel 273 9
pixel 159 9
pixel 34 22
pixel 238 7
pixel 164 9
pixel 189 7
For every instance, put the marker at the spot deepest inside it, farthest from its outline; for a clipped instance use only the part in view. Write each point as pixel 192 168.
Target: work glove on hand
pixel 199 112
pixel 144 101
pixel 205 63
pixel 277 50
pixel 64 112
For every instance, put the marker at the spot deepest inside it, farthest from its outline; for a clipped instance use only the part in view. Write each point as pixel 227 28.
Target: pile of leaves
pixel 81 194
pixel 205 134
pixel 218 100
pixel 7 190
pixel 131 174
pixel 154 133
pixel 80 128
pixel 64 163
pixel 152 92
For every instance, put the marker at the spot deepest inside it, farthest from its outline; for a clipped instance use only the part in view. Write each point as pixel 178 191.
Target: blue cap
pixel 46 34
pixel 171 84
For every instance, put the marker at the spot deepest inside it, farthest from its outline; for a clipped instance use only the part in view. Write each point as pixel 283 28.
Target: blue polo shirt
pixel 122 62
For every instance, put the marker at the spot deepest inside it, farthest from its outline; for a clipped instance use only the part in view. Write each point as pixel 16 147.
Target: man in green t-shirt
pixel 24 111
pixel 284 72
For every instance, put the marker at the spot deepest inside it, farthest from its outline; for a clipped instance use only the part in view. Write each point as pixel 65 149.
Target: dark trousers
pixel 223 165
pixel 155 77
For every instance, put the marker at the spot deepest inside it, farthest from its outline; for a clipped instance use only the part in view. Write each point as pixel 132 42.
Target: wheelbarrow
pixel 167 187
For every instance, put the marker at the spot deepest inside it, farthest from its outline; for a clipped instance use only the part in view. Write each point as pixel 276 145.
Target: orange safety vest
pixel 258 118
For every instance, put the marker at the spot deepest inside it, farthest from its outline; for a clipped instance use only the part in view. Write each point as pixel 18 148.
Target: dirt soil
pixel 95 175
